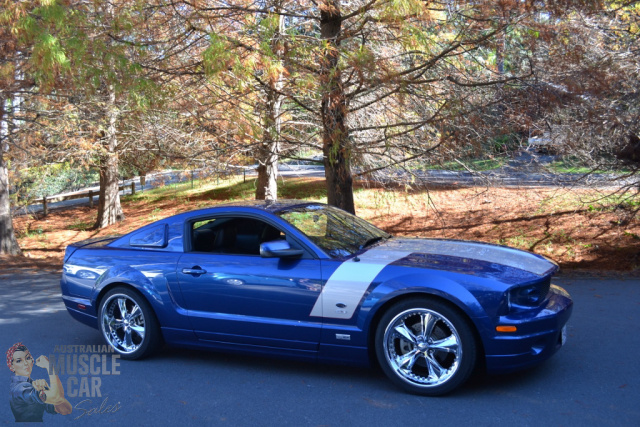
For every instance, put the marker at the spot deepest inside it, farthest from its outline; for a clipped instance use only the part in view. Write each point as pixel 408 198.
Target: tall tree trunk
pixel 335 138
pixel 269 151
pixel 109 209
pixel 8 241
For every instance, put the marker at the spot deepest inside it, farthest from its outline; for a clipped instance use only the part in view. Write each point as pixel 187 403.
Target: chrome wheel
pixel 423 347
pixel 128 324
pixel 426 348
pixel 123 323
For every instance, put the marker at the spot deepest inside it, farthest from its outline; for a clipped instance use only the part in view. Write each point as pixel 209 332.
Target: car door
pixel 233 295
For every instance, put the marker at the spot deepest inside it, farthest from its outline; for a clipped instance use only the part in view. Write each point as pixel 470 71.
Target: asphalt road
pixel 593 381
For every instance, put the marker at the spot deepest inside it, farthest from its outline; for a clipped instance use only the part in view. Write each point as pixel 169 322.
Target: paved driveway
pixel 593 381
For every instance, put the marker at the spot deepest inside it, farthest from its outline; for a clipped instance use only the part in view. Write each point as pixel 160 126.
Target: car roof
pixel 243 206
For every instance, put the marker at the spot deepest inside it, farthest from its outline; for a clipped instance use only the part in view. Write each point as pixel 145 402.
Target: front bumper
pixel 539 335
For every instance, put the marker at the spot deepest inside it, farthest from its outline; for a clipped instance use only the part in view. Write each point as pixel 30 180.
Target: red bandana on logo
pixel 10 354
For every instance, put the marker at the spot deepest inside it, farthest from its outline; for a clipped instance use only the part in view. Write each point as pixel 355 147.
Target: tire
pixel 128 324
pixel 425 346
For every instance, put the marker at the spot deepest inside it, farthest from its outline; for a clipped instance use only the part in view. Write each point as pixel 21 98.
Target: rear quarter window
pixel 155 237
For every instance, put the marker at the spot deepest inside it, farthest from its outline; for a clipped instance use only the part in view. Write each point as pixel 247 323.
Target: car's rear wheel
pixel 425 346
pixel 128 323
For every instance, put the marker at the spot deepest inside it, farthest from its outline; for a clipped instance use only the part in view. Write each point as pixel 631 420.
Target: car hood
pixel 475 258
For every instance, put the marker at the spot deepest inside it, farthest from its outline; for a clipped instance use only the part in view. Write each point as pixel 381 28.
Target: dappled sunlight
pixel 557 223
pixel 29 296
pixel 578 228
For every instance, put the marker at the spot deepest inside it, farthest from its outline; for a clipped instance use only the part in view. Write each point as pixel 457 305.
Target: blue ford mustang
pixel 311 282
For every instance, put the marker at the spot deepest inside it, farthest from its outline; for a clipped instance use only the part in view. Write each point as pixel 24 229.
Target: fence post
pixel 91 198
pixel 44 206
pixel 133 188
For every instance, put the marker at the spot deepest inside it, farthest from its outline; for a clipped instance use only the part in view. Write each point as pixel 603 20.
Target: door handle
pixel 196 271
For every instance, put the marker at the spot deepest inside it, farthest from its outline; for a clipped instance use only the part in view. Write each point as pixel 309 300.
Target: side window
pixel 228 235
pixel 203 235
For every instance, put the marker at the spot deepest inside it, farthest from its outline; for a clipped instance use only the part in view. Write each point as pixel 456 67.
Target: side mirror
pixel 279 249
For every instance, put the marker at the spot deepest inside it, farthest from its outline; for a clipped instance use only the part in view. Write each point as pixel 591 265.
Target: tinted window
pixel 337 232
pixel 227 235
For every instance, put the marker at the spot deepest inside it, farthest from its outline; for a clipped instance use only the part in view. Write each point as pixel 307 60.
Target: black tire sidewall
pixel 465 332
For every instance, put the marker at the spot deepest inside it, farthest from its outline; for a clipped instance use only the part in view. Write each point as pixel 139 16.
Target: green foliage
pixel 361 58
pixel 400 9
pixel 53 179
pixel 217 57
pixel 35 27
pixel 504 143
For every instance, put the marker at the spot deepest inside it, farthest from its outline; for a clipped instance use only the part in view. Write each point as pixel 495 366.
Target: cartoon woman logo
pixel 31 398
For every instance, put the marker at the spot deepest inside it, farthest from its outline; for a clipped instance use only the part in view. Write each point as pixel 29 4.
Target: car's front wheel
pixel 128 323
pixel 425 346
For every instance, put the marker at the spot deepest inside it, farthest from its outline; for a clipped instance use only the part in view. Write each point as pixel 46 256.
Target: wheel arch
pixel 130 278
pixel 380 312
pixel 116 284
pixel 150 340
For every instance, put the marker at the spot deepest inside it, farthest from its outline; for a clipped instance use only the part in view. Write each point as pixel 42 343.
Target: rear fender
pixel 154 288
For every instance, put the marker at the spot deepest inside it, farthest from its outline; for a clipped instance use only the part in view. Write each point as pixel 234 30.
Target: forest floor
pixel 583 230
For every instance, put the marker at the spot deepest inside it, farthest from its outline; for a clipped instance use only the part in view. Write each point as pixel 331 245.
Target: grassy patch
pixel 36 232
pixel 80 226
pixel 563 166
pixel 205 193
pixel 477 165
pixel 573 165
pixel 303 190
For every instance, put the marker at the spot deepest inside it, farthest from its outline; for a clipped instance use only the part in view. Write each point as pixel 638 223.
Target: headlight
pixel 530 295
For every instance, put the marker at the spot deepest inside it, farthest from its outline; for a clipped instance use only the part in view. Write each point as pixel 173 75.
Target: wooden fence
pixel 90 194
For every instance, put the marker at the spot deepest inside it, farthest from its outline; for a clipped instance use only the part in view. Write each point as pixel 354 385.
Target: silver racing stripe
pixel 474 251
pixel 347 285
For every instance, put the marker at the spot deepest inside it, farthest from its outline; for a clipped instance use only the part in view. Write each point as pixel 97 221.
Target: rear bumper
pixel 81 310
pixel 539 335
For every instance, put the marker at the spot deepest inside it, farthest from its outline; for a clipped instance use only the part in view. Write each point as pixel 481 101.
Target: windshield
pixel 337 232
